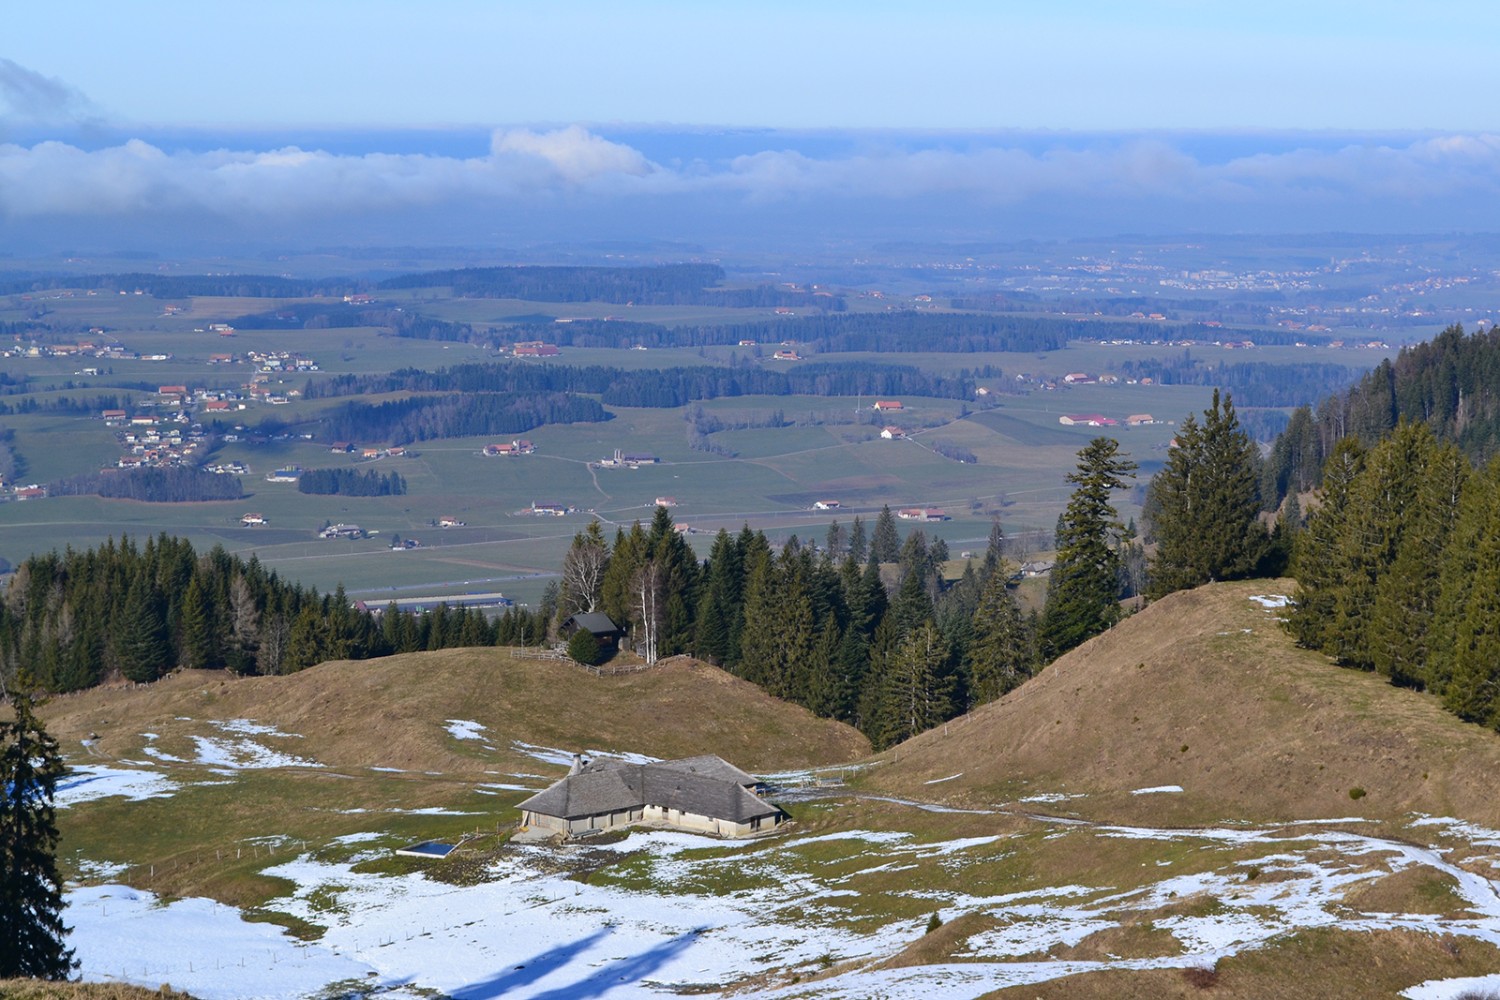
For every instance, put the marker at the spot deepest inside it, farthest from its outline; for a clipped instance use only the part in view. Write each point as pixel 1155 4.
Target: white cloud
pixel 573 166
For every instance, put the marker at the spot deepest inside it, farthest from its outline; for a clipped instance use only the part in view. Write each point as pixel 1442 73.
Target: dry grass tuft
pixel 41 989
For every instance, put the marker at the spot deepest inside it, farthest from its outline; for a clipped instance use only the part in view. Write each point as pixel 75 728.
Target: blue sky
pixel 514 123
pixel 1081 65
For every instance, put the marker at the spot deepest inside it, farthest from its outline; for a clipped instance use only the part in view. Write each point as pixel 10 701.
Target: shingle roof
pixel 594 621
pixel 704 786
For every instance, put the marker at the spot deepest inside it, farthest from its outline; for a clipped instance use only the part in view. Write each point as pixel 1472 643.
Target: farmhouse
pixel 596 623
pixel 887 405
pixel 703 794
pixel 826 505
pixel 926 514
pixel 1086 420
pixel 251 520
pixel 892 433
pixel 535 349
pixel 516 447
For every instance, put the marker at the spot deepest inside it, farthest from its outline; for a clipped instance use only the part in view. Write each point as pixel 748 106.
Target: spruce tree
pixel 31 903
pixel 885 545
pixel 1317 559
pixel 1406 595
pixel 141 642
pixel 1000 656
pixel 918 686
pixel 1205 503
pixel 1083 591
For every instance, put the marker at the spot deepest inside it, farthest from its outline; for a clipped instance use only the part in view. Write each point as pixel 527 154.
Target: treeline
pixel 819 628
pixel 68 405
pixel 339 315
pixel 892 333
pixel 659 387
pixel 1399 569
pixel 183 286
pixel 351 483
pixel 173 485
pixel 69 621
pixel 670 284
pixel 1450 383
pixel 422 418
pixel 1269 385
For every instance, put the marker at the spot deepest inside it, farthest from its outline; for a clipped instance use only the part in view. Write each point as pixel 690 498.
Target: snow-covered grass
pixel 533 930
pixel 1271 601
pixel 243 754
pixel 564 758
pixel 96 781
pixel 462 729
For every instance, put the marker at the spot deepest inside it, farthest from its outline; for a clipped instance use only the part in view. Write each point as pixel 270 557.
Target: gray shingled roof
pixel 596 622
pixel 705 786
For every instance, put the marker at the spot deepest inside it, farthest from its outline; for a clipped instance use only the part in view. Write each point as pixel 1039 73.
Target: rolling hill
pixel 392 712
pixel 1205 691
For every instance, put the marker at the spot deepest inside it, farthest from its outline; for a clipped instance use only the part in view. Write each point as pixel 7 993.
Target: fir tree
pixel 31 903
pixel 857 542
pixel 141 644
pixel 1205 504
pixel 1000 656
pixel 1406 595
pixel 1083 591
pixel 918 686
pixel 885 545
pixel 1318 558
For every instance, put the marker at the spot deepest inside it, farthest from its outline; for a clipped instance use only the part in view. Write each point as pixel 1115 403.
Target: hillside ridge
pixel 1204 690
pixel 392 712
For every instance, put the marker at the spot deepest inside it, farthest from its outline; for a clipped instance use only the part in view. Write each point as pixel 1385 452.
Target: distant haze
pixel 88 187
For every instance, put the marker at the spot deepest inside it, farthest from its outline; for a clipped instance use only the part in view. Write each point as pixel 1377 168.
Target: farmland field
pixel 762 460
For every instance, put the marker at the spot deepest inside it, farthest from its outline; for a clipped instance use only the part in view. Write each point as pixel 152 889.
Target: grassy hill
pixel 432 744
pixel 1205 691
pixel 391 712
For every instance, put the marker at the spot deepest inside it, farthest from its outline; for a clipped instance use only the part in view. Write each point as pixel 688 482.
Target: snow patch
pixel 1157 790
pixel 242 754
pixel 95 781
pixel 1270 601
pixel 1452 989
pixel 939 781
pixel 462 729
pixel 564 758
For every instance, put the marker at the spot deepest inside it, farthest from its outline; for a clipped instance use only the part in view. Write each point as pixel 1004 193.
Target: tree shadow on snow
pixel 594 984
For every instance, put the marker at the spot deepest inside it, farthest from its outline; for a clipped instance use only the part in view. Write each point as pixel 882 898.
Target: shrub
pixel 1356 793
pixel 584 648
pixel 933 923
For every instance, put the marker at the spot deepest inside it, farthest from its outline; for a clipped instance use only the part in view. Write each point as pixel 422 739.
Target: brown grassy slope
pixel 390 712
pixel 1205 690
pixel 40 989
pixel 1325 963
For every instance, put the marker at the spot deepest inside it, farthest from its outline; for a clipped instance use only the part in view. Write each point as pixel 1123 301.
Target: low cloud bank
pixel 1361 185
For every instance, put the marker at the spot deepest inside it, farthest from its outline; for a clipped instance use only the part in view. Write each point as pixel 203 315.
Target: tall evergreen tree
pixel 1083 591
pixel 918 686
pixel 31 903
pixel 1317 560
pixel 1205 503
pixel 885 545
pixel 1406 595
pixel 1001 655
pixel 141 642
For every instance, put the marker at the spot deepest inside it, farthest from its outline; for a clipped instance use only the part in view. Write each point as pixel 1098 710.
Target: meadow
pixel 766 476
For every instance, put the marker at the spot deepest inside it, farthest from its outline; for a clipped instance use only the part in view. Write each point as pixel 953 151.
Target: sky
pixel 482 123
